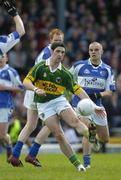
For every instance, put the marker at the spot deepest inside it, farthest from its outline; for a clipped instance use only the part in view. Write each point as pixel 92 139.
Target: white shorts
pixel 96 119
pixel 50 108
pixel 5 115
pixel 29 100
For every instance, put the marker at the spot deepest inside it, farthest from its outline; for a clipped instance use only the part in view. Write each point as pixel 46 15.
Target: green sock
pixel 74 160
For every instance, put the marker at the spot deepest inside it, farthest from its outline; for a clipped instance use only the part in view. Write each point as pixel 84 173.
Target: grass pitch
pixel 57 167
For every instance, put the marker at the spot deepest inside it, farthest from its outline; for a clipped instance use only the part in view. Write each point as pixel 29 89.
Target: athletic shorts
pixel 50 108
pixel 29 100
pixel 5 115
pixel 98 120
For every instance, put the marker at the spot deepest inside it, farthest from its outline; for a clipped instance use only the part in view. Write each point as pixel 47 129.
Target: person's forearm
pixel 19 25
pixel 83 94
pixel 10 88
pixel 28 85
pixel 106 93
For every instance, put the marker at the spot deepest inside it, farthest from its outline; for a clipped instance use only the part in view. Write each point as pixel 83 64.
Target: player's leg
pixel 102 130
pixel 103 133
pixel 6 115
pixel 70 117
pixel 40 138
pixel 47 112
pixel 82 127
pixel 86 146
pixel 5 138
pixel 42 135
pixel 54 125
pixel 102 137
pixel 32 119
pixel 83 123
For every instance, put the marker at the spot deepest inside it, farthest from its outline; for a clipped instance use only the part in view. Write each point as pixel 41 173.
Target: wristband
pixel 35 89
pixel 95 96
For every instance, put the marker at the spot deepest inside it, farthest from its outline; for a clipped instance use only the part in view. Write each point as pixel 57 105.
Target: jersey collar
pixel 48 64
pixel 89 61
pixel 5 67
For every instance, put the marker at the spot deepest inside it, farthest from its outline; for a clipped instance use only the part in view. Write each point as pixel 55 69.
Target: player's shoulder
pixel 80 62
pixel 47 48
pixel 106 66
pixel 39 64
pixel 12 70
pixel 64 68
pixel 66 71
pixel 44 54
pixel 14 34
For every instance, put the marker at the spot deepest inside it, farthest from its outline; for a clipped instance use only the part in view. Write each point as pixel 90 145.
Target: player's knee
pixel 85 132
pixel 74 123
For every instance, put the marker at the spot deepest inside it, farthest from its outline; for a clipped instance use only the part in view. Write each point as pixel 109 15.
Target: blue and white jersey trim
pixel 8 77
pixel 93 79
pixel 44 54
pixel 7 42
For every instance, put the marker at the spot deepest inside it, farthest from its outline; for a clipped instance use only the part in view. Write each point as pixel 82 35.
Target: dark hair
pixel 57 44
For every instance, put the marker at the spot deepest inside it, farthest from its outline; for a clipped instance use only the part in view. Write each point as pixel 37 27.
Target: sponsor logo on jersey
pixel 102 73
pixel 91 82
pixel 48 86
pixel 94 82
pixel 86 71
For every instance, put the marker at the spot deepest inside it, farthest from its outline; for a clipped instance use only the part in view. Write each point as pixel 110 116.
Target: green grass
pixel 57 167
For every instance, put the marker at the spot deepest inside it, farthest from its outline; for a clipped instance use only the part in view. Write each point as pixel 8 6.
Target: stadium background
pixel 82 23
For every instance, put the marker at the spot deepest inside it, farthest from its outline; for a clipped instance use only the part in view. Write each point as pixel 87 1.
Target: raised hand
pixel 10 7
pixel 100 111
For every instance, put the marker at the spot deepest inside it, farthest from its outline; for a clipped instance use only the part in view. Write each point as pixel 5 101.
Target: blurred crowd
pixel 85 22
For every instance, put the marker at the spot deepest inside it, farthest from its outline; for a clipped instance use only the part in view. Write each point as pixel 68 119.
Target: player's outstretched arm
pixel 19 25
pixel 10 7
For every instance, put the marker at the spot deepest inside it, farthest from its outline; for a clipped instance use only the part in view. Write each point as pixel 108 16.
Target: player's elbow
pixel 27 83
pixel 22 31
pixel 19 25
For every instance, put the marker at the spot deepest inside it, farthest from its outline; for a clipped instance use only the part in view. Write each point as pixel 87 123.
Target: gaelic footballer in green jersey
pixel 54 84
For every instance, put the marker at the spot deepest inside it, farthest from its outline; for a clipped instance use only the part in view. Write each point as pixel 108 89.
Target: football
pixel 85 107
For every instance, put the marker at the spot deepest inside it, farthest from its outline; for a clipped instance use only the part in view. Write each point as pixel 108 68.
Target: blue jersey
pixel 92 79
pixel 8 77
pixel 44 54
pixel 7 42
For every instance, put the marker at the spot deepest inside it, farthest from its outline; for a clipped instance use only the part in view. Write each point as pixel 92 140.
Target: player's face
pixel 58 54
pixel 95 52
pixel 3 60
pixel 57 38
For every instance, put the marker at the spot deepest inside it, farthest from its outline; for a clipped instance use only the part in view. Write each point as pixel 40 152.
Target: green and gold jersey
pixel 53 83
